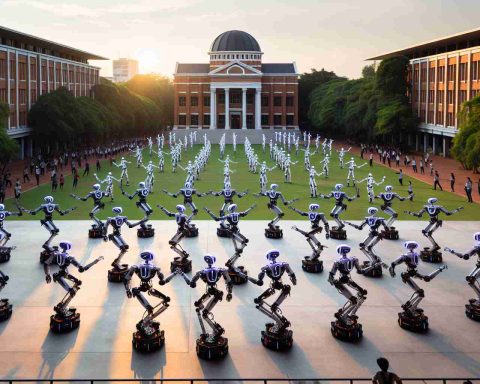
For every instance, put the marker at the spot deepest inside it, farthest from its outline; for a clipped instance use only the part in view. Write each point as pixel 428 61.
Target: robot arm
pixel 165 280
pixel 96 177
pixel 331 275
pixel 3 280
pixel 291 274
pixel 46 269
pixel 259 280
pixel 416 214
pixel 398 261
pixel 34 211
pixel 166 211
pixel 212 215
pixel 79 197
pixel 169 193
pixel 127 280
pixel 328 196
pixel 301 213
pixel 360 166
pixel 83 268
pixel 379 182
pixel 241 194
pixel 448 213
pixel 190 217
pixel 228 283
pixel 464 256
pixel 245 213
pixel 132 225
pixel 359 227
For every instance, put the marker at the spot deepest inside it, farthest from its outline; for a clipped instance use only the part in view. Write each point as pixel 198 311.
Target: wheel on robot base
pixel 390 234
pixel 144 233
pixel 5 254
pixel 338 234
pixel 277 341
pixel 5 309
pixel 472 309
pixel 149 339
pixel 223 232
pixel 236 278
pixel 415 323
pixel 95 232
pixel 430 256
pixel 117 275
pixel 312 265
pixel 192 231
pixel 346 332
pixel 45 254
pixel 184 264
pixel 65 323
pixel 273 233
pixel 212 349
pixel 374 272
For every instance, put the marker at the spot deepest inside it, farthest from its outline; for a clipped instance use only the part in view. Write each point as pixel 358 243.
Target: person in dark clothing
pixel 8 181
pixel 87 169
pixel 75 179
pixel 37 174
pixel 2 192
pixel 452 182
pixel 18 189
pixel 98 165
pixel 26 178
pixel 384 376
pixel 62 180
pixel 54 181
pixel 400 177
pixel 436 181
pixel 468 189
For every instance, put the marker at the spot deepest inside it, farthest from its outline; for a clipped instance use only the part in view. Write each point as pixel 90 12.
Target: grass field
pixel 212 179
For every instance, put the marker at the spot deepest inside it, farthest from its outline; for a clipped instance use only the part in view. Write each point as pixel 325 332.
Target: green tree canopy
pixel 8 146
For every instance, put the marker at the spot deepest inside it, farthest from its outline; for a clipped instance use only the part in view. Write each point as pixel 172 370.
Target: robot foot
pixel 117 274
pixel 414 322
pixel 212 349
pixel 5 310
pixel 183 263
pixel 374 271
pixel 148 338
pixel 192 231
pixel 146 232
pixel 390 234
pixel 5 254
pixel 350 331
pixel 338 233
pixel 472 309
pixel 65 322
pixel 312 265
pixel 96 232
pixel 237 278
pixel 273 232
pixel 223 231
pixel 280 340
pixel 431 255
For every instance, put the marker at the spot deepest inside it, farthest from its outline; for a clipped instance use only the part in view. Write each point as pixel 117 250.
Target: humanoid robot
pixel 187 192
pixel 96 232
pixel 210 346
pixel 118 272
pixel 373 266
pixel 109 181
pixel 351 170
pixel 124 166
pixel 263 175
pixel 65 318
pixel 412 317
pixel 388 196
pixel 325 162
pixel 347 327
pixel 182 261
pixel 145 230
pixel 48 208
pixel 432 254
pixel 472 309
pixel 338 232
pixel 341 155
pixel 239 241
pixel 312 263
pixel 228 194
pixel 287 164
pixel 273 231
pixel 312 183
pixel 5 306
pixel 148 337
pixel 370 184
pixel 5 252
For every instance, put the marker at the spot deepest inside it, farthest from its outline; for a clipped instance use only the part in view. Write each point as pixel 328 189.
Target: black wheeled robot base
pixel 312 265
pixel 45 255
pixel 65 323
pixel 374 272
pixel 236 278
pixel 210 349
pixel 150 339
pixel 277 341
pixel 5 254
pixel 223 232
pixel 5 309
pixel 192 231
pixel 95 232
pixel 472 310
pixel 117 275
pixel 390 234
pixel 346 332
pixel 338 234
pixel 430 256
pixel 144 233
pixel 273 232
pixel 184 264
pixel 415 323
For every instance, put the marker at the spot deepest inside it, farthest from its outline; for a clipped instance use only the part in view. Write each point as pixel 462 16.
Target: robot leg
pixel 417 296
pixel 61 307
pixel 191 204
pixel 431 228
pixel 207 315
pixel 393 216
pixel 93 216
pixel 53 232
pixel 361 296
pixel 239 241
pixel 343 313
pixel 7 236
pixel 337 210
pixel 472 280
pixel 159 308
pixel 279 213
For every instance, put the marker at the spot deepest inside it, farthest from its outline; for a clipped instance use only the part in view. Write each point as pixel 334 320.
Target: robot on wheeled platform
pixel 96 232
pixel 145 230
pixel 413 318
pixel 228 194
pixel 5 252
pixel 388 196
pixel 5 306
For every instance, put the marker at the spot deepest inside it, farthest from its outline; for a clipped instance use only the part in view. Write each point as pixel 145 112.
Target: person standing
pixel 422 168
pixel 18 189
pixel 54 180
pixel 75 179
pixel 431 167
pixel 436 181
pixel 2 191
pixel 452 182
pixel 410 190
pixel 62 181
pixel 26 178
pixel 37 174
pixel 371 160
pixel 400 176
pixel 384 376
pixel 414 165
pixel 98 166
pixel 86 169
pixel 468 189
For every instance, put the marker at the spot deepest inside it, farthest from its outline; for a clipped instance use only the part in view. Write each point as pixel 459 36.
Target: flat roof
pixel 445 44
pixel 43 43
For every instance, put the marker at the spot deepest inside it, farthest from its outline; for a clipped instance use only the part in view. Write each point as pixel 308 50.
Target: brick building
pixel 30 67
pixel 236 90
pixel 443 74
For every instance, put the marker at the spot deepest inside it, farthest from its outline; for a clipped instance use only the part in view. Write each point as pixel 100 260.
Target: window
pixel 221 98
pixel 50 74
pixel 3 95
pixel 474 93
pixel 33 71
pixel 182 101
pixel 182 120
pixel 431 96
pixel 221 121
pixel 441 74
pixel 415 74
pixel 206 119
pixel 451 71
pixel 440 96
pixel 423 96
pixel 463 72
pixel 250 121
pixel 289 119
pixel 277 101
pixel 22 96
pixel 450 119
pixel 462 97
pixel 264 119
pixel 475 68
pixel 3 69
pixel 431 75
pixel 22 71
pixel 439 117
pixel 264 101
pixel 12 95
pixel 12 69
pixel 289 101
pixel 277 119
pixel 194 120
pixel 250 98
pixel 194 101
pixel 23 118
pixel 430 117
pixel 235 98
pixel 450 97
pixel 33 96
pixel 206 101
pixel 424 75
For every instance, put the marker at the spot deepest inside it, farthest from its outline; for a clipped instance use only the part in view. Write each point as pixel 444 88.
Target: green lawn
pixel 212 179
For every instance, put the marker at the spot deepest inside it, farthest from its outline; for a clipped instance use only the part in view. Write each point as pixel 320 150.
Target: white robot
pixel 338 232
pixel 228 194
pixel 145 230
pixel 370 180
pixel 5 252
pixel 124 166
pixel 325 162
pixel 351 170
pixel 388 196
pixel 109 181
pixel 312 183
pixel 287 168
pixel 263 175
pixel 341 155
pixel 97 195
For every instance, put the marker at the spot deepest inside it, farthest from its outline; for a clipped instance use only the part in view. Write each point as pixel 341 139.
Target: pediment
pixel 235 68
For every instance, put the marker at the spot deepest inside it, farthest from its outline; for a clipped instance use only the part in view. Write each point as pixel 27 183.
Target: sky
pixel 336 35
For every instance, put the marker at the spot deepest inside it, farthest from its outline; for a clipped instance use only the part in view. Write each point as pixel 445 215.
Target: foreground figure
pixel 412 317
pixel 472 309
pixel 187 192
pixel 432 254
pixel 388 196
pixel 148 337
pixel 96 232
pixel 5 306
pixel 5 252
pixel 228 194
pixel 312 263
pixel 145 230
pixel 347 327
pixel 210 346
pixel 65 318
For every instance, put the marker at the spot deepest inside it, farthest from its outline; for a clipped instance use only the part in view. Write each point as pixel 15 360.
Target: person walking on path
pixel 436 181
pixel 400 176
pixel 384 376
pixel 468 189
pixel 452 182
pixel 431 167
pixel 26 178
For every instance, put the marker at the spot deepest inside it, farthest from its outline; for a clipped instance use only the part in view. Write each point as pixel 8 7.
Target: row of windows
pixel 451 94
pixel 236 98
pixel 194 120
pixel 238 56
pixel 451 73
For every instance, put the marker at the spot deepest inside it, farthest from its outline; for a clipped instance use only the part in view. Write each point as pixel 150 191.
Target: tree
pixel 8 146
pixel 368 71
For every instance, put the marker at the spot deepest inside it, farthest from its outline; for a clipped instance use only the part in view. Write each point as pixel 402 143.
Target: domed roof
pixel 235 41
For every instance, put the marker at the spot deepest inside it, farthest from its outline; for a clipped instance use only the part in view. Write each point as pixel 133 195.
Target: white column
pixel 213 108
pixel 425 142
pixel 258 109
pixel 434 149
pixel 227 108
pixel 244 108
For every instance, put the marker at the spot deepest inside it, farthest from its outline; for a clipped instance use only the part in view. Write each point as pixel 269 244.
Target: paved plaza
pixel 101 347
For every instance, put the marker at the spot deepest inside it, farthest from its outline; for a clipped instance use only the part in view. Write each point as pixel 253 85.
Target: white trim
pixel 230 85
pixel 235 63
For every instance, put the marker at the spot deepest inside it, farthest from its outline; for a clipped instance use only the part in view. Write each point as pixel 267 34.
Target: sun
pixel 148 60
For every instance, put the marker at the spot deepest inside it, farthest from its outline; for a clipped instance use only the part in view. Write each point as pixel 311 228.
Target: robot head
pixel 48 199
pixel 141 184
pixel 312 167
pixel 117 210
pixel 232 208
pixel 274 186
pixel 388 188
pixel 210 259
pixel 476 237
pixel 272 255
pixel 150 162
pixel 123 158
pixel 372 211
pixel 370 175
pixel 313 207
pixel 188 185
pixel 342 149
pixel 96 187
pixel 147 255
pixel 65 245
pixel 338 187
pixel 109 173
pixel 432 200
pixel 352 159
pixel 2 207
pixel 180 208
pixel 343 249
pixel 410 245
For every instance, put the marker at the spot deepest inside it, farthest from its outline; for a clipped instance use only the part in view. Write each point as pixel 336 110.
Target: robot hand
pixel 105 238
pixel 3 280
pixel 466 256
pixel 293 278
pixel 48 279
pixel 129 293
pixel 392 271
pixel 229 296
pixel 193 284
